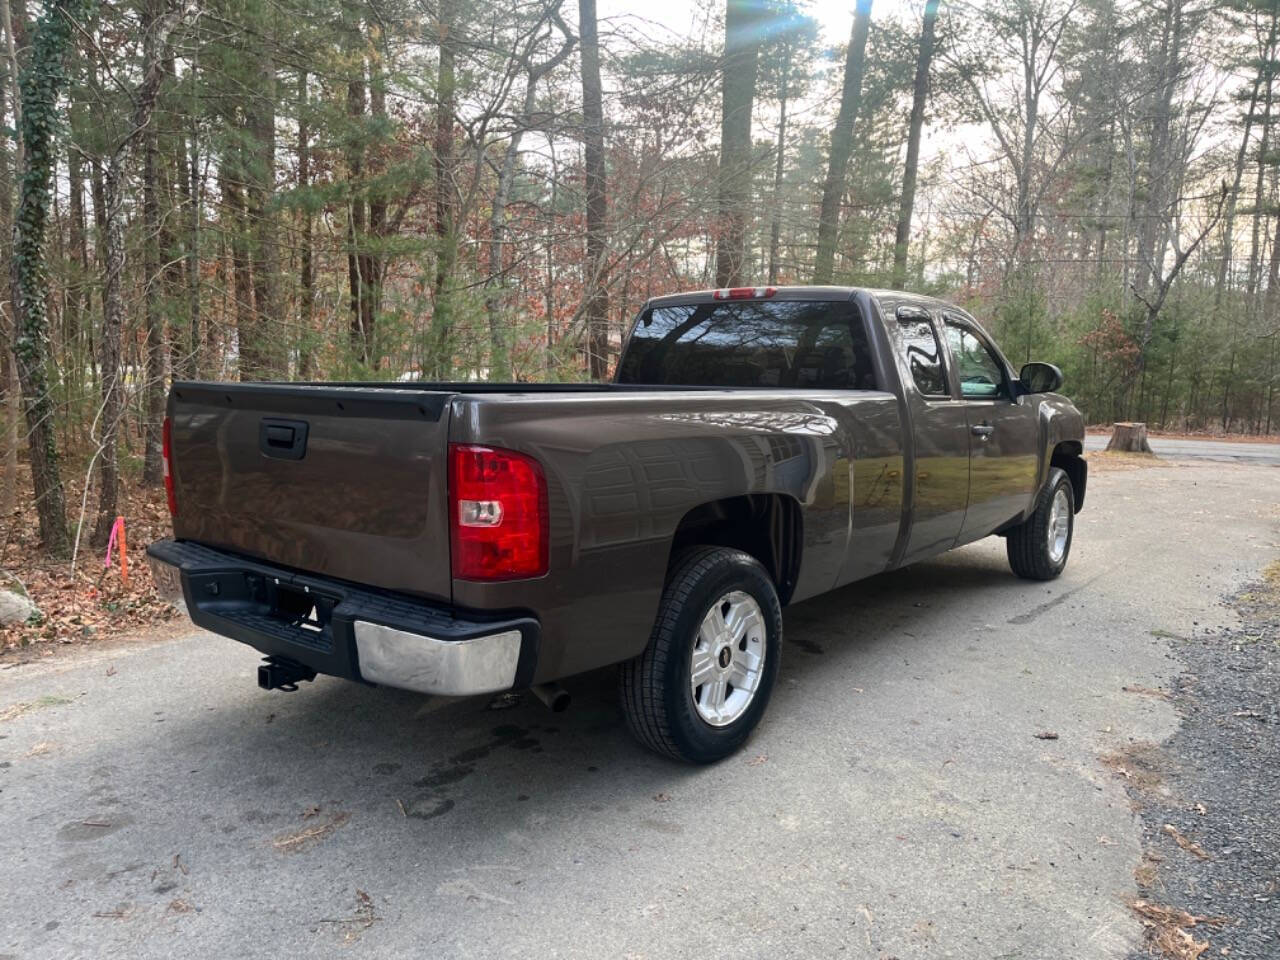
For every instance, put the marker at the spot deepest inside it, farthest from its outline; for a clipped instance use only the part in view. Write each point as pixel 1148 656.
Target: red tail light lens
pixel 167 448
pixel 498 514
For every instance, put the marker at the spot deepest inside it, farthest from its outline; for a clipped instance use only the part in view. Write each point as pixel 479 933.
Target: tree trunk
pixel 775 227
pixel 1259 206
pixel 12 415
pixel 842 144
pixel 738 87
pixel 41 84
pixel 1129 438
pixel 306 278
pixel 596 315
pixel 357 215
pixel 152 460
pixel 193 183
pixel 1228 227
pixel 373 260
pixel 229 179
pixel 109 351
pixel 262 355
pixel 920 93
pixel 1153 234
pixel 438 359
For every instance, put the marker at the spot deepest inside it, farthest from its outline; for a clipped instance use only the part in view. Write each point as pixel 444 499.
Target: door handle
pixel 983 430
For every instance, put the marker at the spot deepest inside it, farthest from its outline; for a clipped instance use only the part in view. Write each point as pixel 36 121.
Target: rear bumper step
pixel 337 628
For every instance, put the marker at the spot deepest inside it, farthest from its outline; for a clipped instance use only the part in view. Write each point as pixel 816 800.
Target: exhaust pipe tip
pixel 553 695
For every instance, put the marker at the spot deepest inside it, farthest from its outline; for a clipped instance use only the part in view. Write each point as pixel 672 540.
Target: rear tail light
pixel 744 293
pixel 167 449
pixel 498 514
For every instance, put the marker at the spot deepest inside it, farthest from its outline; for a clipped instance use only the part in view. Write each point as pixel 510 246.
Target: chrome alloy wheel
pixel 728 658
pixel 1059 525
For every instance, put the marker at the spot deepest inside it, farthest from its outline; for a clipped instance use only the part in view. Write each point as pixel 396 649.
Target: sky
pixel 684 17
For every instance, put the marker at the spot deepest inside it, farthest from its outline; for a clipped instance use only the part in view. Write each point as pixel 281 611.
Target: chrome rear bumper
pixel 343 629
pixel 411 661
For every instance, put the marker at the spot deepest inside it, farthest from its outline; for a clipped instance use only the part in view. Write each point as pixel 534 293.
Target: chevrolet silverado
pixel 757 446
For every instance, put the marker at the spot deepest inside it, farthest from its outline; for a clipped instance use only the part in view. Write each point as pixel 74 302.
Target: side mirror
pixel 1040 377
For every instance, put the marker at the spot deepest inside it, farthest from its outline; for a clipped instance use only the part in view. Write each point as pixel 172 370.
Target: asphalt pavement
pixel 1172 448
pixel 930 780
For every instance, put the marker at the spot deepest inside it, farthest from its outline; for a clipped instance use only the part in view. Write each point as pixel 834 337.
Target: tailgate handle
pixel 283 439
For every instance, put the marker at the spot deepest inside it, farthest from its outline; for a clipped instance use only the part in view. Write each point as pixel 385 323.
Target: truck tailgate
pixel 347 482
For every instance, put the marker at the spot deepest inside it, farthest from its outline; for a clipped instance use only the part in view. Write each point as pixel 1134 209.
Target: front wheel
pixel 1038 547
pixel 703 682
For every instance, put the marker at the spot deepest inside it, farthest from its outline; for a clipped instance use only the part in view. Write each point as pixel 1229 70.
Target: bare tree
pixel 499 348
pixel 919 94
pixel 597 294
pixel 842 144
pixel 741 54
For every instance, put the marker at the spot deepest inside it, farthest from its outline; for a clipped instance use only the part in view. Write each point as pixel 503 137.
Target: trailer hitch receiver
pixel 281 673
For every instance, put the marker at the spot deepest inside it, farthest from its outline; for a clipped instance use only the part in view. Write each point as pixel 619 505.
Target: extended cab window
pixel 981 375
pixel 817 344
pixel 924 354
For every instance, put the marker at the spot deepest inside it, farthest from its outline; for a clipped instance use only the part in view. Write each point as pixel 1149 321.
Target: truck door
pixel 940 436
pixel 1003 434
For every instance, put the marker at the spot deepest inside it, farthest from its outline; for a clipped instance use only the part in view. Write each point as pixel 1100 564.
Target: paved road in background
pixel 1175 449
pixel 896 801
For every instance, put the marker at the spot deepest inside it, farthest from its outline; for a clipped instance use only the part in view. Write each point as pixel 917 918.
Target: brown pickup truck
pixel 758 446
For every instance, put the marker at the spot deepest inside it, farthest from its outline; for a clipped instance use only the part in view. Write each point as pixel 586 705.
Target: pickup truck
pixel 758 446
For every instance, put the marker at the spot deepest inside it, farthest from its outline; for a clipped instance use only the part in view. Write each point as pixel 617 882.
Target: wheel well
pixel 765 525
pixel 1067 457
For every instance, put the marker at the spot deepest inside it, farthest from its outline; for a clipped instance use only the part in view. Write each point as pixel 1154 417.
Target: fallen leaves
pixel 1185 842
pixel 661 798
pixel 91 602
pixel 1167 929
pixel 1142 764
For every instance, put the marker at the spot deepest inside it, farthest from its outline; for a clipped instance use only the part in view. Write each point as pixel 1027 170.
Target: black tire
pixel 655 687
pixel 1028 543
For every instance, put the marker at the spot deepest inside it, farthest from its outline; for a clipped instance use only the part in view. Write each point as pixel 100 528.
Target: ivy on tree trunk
pixel 41 84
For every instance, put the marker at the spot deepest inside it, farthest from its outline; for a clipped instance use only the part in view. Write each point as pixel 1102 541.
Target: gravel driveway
pixel 896 802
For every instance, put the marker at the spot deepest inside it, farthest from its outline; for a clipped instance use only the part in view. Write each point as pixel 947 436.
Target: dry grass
pixel 1147 873
pixel 1168 929
pixel 308 837
pixel 15 710
pixel 1157 692
pixel 1106 461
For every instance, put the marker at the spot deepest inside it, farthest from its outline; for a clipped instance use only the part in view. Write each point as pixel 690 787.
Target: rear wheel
pixel 704 680
pixel 1038 547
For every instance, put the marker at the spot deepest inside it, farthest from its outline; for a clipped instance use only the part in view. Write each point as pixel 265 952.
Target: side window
pixel 924 354
pixel 981 375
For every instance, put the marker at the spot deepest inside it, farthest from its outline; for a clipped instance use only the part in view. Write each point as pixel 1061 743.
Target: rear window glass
pixel 786 343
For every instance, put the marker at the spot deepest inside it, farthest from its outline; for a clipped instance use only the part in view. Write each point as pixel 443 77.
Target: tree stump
pixel 1129 438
